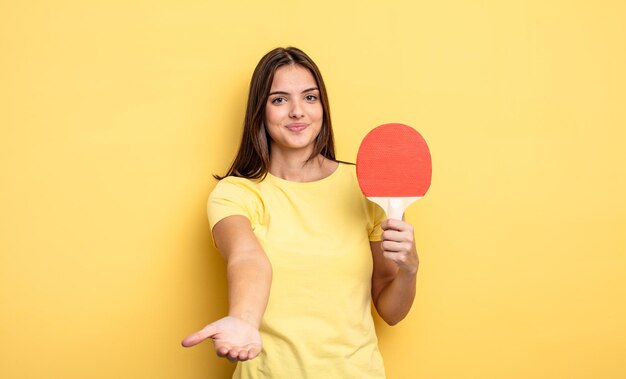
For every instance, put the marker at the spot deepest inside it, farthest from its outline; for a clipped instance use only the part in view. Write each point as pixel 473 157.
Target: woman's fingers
pixel 397 257
pixel 398 244
pixel 222 351
pixel 393 235
pixel 237 354
pixel 232 355
pixel 396 247
pixel 399 225
pixel 253 352
pixel 243 355
pixel 398 231
pixel 194 339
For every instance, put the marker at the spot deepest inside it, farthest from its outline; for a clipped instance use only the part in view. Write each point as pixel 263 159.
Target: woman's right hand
pixel 233 339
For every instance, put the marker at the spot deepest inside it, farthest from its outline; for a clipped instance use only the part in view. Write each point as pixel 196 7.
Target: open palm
pixel 233 339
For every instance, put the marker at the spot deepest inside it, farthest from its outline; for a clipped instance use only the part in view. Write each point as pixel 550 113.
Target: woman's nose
pixel 296 110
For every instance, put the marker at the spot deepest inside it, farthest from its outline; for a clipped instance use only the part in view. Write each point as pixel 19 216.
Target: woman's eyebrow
pixel 279 93
pixel 287 93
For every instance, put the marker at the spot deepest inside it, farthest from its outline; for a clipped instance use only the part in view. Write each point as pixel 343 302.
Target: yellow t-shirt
pixel 318 321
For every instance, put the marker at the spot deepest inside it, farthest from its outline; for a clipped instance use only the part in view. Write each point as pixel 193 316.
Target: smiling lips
pixel 297 127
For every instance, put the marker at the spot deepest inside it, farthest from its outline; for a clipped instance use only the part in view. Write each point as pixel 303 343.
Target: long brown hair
pixel 253 158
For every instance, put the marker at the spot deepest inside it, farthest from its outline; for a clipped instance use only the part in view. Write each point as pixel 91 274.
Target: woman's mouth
pixel 297 127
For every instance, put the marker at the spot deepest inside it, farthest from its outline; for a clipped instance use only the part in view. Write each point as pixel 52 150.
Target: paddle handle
pixel 394 207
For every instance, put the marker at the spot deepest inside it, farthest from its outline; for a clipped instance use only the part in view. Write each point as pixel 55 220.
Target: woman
pixel 306 253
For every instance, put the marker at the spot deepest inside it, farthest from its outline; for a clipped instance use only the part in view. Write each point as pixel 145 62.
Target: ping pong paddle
pixel 394 167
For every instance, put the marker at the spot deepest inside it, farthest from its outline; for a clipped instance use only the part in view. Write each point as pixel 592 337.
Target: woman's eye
pixel 279 100
pixel 311 97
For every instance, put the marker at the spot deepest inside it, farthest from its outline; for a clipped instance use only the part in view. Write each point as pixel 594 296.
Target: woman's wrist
pixel 247 317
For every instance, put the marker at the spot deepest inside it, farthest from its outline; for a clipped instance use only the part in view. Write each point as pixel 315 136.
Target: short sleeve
pixel 376 215
pixel 230 197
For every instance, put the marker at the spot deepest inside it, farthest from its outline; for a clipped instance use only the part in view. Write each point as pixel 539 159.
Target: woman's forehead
pixel 293 78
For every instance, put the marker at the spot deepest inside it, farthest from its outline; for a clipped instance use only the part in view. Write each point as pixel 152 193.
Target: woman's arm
pixel 395 270
pixel 249 273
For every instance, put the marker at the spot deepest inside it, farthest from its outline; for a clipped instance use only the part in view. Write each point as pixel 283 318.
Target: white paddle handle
pixel 394 207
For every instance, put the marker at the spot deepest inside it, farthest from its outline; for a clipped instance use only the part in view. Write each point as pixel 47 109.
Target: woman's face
pixel 293 113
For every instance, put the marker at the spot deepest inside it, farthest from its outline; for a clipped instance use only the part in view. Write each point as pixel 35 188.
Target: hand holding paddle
pixel 394 167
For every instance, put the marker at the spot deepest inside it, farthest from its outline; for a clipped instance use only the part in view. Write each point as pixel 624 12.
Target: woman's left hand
pixel 398 243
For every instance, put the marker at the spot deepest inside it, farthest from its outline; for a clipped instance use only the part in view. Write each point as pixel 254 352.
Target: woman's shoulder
pixel 347 168
pixel 236 180
pixel 236 185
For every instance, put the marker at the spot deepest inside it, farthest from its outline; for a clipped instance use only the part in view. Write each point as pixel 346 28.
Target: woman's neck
pixel 295 167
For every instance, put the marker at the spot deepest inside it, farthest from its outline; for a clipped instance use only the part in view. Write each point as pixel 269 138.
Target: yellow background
pixel 115 114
